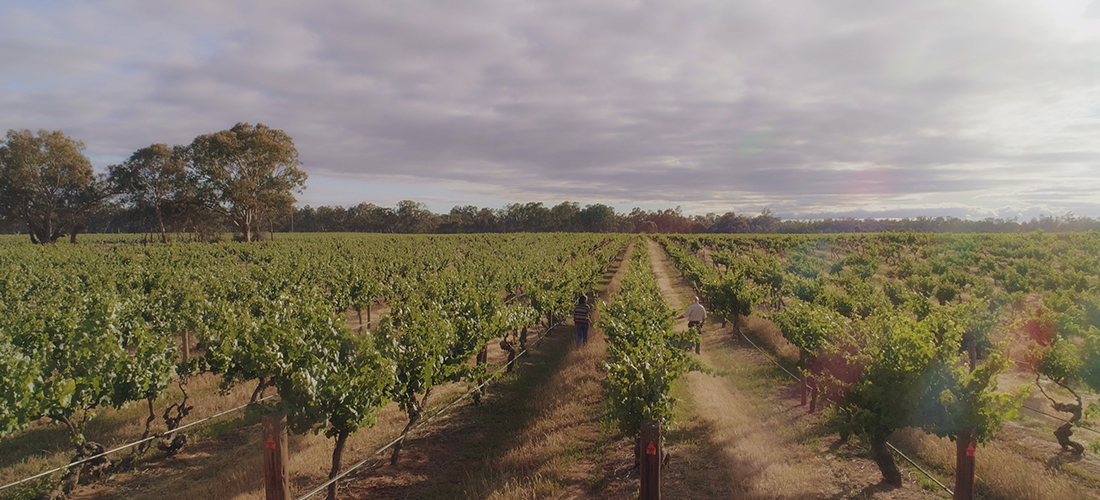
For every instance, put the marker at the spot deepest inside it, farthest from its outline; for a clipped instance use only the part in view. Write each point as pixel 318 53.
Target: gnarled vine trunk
pixel 337 458
pixel 885 461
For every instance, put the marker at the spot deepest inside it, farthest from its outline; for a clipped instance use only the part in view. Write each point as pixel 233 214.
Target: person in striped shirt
pixel 580 319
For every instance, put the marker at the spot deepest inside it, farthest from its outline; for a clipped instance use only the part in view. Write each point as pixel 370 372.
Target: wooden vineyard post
pixel 965 453
pixel 965 450
pixel 802 388
pixel 813 393
pixel 276 482
pixel 651 461
pixel 185 350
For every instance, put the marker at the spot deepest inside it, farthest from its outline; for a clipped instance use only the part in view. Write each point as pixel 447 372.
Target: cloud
pixel 1093 10
pixel 807 107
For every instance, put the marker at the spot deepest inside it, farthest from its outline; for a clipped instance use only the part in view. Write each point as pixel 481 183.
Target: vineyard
pixel 953 336
pixel 949 334
pixel 90 328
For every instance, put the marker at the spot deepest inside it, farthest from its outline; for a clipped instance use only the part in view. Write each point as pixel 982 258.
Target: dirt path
pixel 741 434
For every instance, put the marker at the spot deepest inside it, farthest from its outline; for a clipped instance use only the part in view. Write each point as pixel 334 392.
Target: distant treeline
pixel 243 180
pixel 412 217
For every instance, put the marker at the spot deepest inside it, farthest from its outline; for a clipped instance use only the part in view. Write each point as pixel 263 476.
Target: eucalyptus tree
pixel 47 183
pixel 155 181
pixel 248 174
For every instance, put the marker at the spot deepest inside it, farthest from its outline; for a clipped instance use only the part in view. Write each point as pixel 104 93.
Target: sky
pixel 810 108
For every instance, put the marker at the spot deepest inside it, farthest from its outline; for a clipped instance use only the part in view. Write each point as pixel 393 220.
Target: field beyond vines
pixel 899 338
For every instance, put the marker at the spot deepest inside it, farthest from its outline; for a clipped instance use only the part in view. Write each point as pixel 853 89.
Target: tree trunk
pixel 507 346
pixel 885 461
pixel 1064 432
pixel 160 223
pixel 413 419
pixel 259 391
pixel 143 447
pixel 337 457
pixel 401 441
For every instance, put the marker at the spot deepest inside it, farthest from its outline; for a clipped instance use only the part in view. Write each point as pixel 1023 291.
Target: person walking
pixel 580 319
pixel 696 315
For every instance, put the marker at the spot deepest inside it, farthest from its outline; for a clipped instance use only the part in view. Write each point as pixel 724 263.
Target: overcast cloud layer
pixel 809 107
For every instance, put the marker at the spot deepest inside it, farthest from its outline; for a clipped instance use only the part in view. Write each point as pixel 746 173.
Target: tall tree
pixel 414 218
pixel 47 183
pixel 596 218
pixel 154 180
pixel 562 217
pixel 249 174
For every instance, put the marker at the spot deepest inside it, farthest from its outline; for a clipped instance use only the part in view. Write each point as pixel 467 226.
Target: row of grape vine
pixel 90 327
pixel 900 330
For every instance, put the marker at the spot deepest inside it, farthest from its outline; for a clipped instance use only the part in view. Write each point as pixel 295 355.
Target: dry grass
pixel 539 461
pixel 556 455
pixel 769 337
pixel 45 446
pixel 1002 472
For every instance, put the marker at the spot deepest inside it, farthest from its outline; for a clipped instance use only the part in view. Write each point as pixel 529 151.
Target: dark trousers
pixel 699 325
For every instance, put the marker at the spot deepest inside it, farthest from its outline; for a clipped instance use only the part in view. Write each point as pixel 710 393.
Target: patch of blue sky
pixel 35 5
pixel 17 85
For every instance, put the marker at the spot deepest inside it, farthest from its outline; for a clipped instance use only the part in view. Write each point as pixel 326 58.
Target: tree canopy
pixel 248 173
pixel 47 183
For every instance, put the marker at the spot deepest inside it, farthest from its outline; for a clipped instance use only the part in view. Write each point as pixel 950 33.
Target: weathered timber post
pixel 813 394
pixel 185 349
pixel 651 461
pixel 965 450
pixel 802 388
pixel 523 341
pixel 276 481
pixel 964 465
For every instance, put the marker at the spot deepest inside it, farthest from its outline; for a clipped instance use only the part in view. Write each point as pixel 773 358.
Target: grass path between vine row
pixel 559 449
pixel 536 435
pixel 741 432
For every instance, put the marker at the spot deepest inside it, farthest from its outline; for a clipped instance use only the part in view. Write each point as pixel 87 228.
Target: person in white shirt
pixel 696 315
